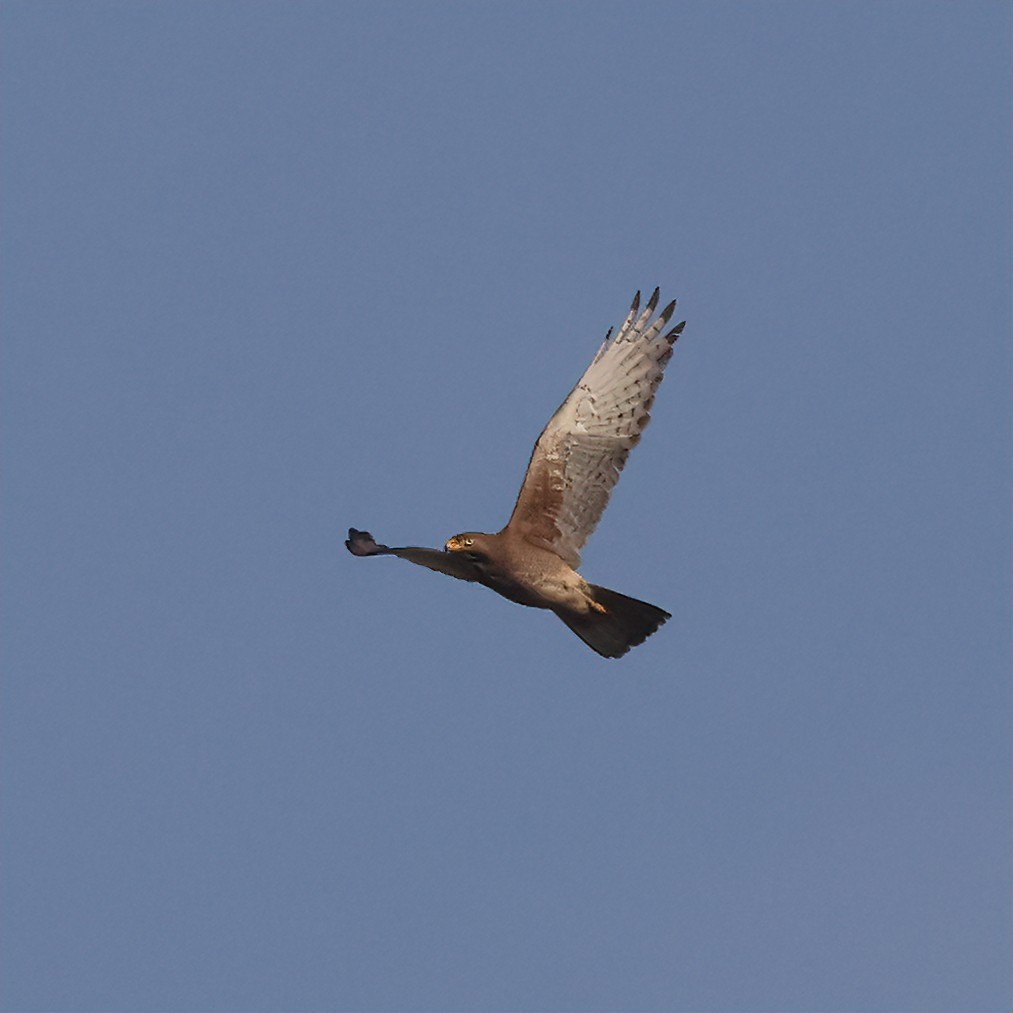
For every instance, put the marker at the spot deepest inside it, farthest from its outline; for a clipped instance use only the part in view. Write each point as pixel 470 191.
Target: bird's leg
pixel 585 591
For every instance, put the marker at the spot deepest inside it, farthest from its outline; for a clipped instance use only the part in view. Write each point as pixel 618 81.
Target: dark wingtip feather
pixel 672 336
pixel 362 543
pixel 653 301
pixel 636 302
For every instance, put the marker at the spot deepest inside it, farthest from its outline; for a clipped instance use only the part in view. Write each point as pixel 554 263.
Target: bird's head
pixel 472 545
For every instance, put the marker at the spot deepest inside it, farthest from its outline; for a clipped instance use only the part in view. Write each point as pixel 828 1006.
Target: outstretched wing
pixel 362 543
pixel 577 459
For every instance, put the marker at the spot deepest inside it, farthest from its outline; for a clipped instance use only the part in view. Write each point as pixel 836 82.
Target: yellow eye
pixel 469 542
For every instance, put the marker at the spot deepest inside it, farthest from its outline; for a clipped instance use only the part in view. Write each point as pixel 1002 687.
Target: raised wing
pixel 577 459
pixel 362 543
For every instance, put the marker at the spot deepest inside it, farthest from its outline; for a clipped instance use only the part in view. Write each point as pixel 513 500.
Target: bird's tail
pixel 625 622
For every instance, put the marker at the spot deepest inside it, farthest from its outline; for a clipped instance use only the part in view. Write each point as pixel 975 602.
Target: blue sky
pixel 271 270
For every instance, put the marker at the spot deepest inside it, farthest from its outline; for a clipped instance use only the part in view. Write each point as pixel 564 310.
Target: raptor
pixel 573 468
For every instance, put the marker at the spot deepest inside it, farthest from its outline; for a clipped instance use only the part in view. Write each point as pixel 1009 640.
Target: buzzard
pixel 576 462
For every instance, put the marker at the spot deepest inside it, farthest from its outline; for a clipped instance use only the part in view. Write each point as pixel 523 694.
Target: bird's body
pixel 522 572
pixel 575 464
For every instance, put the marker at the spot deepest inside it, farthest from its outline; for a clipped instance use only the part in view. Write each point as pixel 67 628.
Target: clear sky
pixel 274 269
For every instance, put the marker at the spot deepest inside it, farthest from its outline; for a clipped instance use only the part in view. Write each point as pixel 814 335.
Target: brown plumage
pixel 573 468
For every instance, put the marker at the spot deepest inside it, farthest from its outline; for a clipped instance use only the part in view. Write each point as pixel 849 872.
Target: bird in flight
pixel 573 468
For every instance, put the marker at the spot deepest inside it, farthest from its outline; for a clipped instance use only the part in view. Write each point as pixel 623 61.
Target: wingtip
pixel 635 305
pixel 673 335
pixel 652 303
pixel 362 543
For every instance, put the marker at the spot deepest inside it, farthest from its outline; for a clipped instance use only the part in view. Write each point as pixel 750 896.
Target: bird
pixel 573 468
